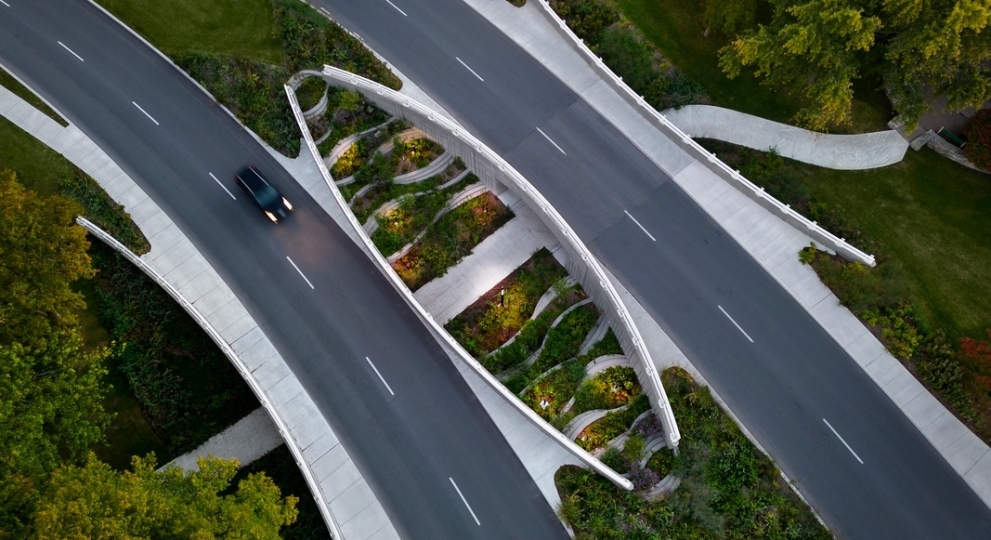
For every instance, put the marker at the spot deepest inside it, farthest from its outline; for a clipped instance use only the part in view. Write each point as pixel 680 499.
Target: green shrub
pixel 898 331
pixel 531 334
pixel 612 425
pixel 549 394
pixel 103 211
pixel 310 92
pixel 564 339
pixel 586 18
pixel 978 132
pixel 628 57
pixel 607 390
pixel 662 462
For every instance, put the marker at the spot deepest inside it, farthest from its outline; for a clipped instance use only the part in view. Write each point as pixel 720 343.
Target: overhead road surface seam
pixel 775 249
pixel 490 166
pixel 309 441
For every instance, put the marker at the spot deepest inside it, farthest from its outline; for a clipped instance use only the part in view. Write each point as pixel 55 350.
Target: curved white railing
pixel 737 180
pixel 228 351
pixel 474 152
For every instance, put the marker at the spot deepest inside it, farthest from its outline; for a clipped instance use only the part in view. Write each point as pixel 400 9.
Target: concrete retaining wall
pixel 498 175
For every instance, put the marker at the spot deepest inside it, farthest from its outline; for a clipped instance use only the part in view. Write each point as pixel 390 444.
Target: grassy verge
pixel 43 170
pixel 451 239
pixel 244 52
pixel 500 313
pixel 728 488
pixel 187 389
pixel 21 91
pixel 676 28
pixel 280 466
pixel 926 221
pixel 562 343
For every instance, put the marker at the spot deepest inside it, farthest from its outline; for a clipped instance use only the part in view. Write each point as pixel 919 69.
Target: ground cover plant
pixel 280 466
pixel 415 154
pixel 310 92
pixel 415 212
pixel 21 91
pixel 613 387
pixel 347 113
pixel 373 199
pixel 676 28
pixel 451 239
pixel 187 388
pixel 562 343
pixel 499 314
pixel 233 56
pixel 728 488
pixel 925 220
pixel 532 333
pixel 612 425
pixel 548 395
pixel 628 54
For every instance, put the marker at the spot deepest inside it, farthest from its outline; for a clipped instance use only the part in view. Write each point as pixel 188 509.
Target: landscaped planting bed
pixel 367 203
pixel 500 313
pixel 402 225
pixel 347 113
pixel 451 239
pixel 612 388
pixel 310 92
pixel 415 154
pixel 728 488
pixel 612 425
pixel 532 333
pixel 562 343
pixel 549 394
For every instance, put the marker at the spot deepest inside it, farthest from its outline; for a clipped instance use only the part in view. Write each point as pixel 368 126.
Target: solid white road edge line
pixel 397 8
pixel 300 271
pixel 4 3
pixel 381 378
pixel 738 327
pixel 67 48
pixel 146 113
pixel 551 141
pixel 223 186
pixel 469 69
pixel 465 501
pixel 842 441
pixel 639 225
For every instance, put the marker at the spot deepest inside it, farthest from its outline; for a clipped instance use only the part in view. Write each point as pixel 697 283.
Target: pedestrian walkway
pixel 845 152
pixel 770 240
pixel 247 440
pixel 490 262
pixel 344 498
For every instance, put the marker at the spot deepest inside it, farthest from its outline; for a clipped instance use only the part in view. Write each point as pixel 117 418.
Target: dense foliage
pixel 627 54
pixel 729 490
pixel 920 48
pixel 561 343
pixel 451 239
pixel 94 501
pixel 187 388
pixel 500 313
pixel 978 132
pixel 253 90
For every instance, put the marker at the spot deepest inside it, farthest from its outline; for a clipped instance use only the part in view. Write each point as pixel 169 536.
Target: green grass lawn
pixel 21 91
pixel 676 28
pixel 240 28
pixel 931 218
pixel 40 169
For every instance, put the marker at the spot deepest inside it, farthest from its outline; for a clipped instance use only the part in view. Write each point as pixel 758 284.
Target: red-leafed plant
pixel 978 132
pixel 976 355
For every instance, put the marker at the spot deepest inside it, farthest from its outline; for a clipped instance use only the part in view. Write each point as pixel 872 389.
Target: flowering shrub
pixel 978 132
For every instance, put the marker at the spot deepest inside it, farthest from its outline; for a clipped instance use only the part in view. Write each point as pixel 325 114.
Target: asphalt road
pixel 788 382
pixel 407 446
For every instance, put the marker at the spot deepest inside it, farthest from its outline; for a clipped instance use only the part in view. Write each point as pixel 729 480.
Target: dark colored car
pixel 275 206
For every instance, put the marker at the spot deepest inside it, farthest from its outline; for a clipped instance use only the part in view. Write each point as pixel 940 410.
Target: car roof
pixel 264 192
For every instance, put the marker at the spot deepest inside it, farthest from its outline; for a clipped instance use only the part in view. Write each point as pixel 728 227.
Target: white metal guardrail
pixel 737 180
pixel 228 351
pixel 490 167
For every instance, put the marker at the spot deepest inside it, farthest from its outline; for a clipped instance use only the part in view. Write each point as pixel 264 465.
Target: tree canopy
pixel 95 502
pixel 920 48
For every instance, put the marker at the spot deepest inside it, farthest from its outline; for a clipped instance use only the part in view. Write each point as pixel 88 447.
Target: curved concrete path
pixel 846 152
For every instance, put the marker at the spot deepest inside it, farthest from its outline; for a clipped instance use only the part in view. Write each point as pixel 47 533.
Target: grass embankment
pixel 676 28
pixel 926 221
pixel 244 52
pixel 452 238
pixel 728 488
pixel 501 312
pixel 21 91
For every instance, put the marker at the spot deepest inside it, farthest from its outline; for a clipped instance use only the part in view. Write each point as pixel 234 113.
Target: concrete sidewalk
pixel 846 152
pixel 771 241
pixel 247 440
